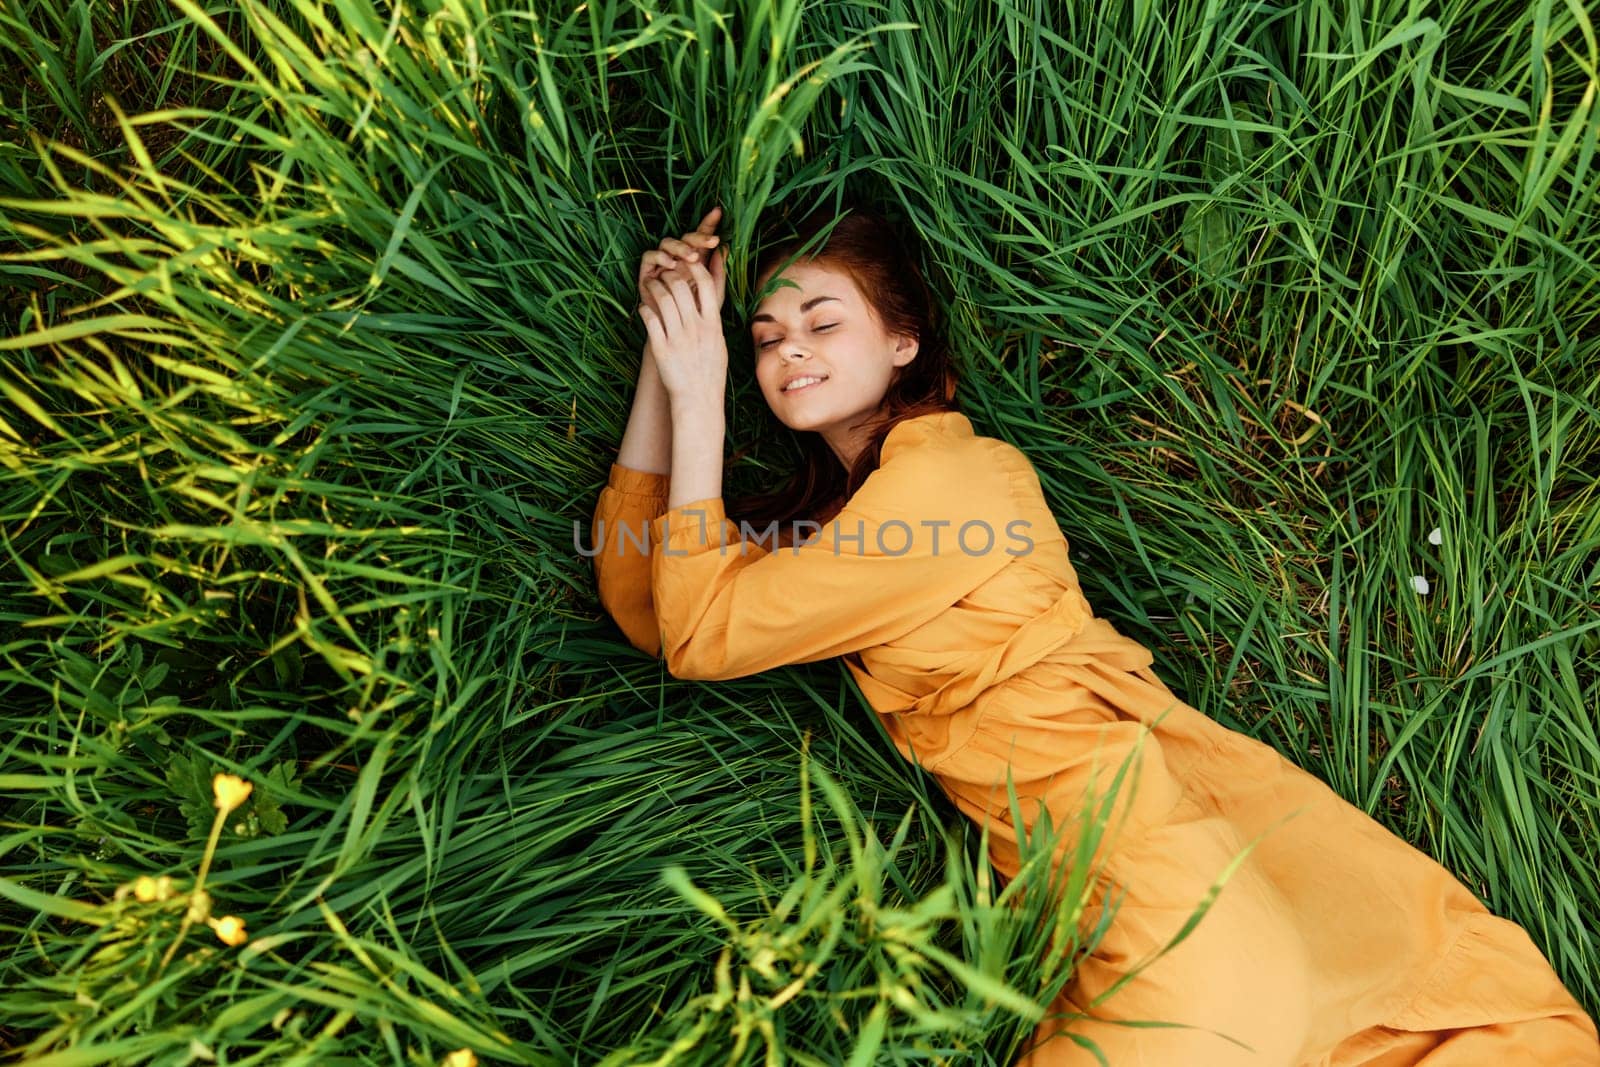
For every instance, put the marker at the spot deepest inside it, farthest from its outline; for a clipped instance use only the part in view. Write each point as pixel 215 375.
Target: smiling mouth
pixel 802 384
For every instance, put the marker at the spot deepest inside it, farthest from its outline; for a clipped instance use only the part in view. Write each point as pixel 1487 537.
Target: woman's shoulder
pixel 943 426
pixel 947 437
pixel 939 456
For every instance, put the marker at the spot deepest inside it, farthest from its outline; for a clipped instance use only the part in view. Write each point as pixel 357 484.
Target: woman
pixel 935 568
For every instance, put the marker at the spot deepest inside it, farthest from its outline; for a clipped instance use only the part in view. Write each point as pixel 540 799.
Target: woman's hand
pixel 683 318
pixel 674 256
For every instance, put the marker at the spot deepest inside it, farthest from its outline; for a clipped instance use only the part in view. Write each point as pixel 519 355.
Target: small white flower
pixel 1420 584
pixel 1435 536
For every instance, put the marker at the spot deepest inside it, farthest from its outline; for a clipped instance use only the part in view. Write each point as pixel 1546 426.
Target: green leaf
pixel 266 799
pixel 1208 237
pixel 189 778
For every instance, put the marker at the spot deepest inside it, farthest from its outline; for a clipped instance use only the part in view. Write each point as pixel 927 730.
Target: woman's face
pixel 825 329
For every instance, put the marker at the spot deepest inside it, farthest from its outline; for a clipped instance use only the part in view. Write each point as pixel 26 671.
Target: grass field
pixel 318 338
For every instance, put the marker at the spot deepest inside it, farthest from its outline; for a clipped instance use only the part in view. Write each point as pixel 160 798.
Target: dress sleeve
pixel 621 540
pixel 894 557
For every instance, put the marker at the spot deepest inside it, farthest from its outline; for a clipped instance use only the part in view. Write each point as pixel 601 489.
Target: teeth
pixel 800 382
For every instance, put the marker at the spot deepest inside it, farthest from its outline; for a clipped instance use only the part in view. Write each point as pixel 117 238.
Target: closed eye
pixel 819 329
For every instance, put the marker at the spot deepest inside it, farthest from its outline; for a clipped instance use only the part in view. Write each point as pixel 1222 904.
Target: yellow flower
pixel 230 791
pixel 146 888
pixel 230 930
pixel 461 1057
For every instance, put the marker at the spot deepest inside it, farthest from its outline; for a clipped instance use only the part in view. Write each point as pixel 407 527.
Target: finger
pixel 709 222
pixel 652 326
pixel 710 271
pixel 679 248
pixel 683 292
pixel 651 264
pixel 668 276
pixel 686 291
pixel 697 239
pixel 683 276
pixel 704 283
pixel 719 273
pixel 667 307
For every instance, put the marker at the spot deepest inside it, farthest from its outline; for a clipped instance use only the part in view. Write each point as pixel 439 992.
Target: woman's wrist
pixel 696 406
pixel 698 431
pixel 647 361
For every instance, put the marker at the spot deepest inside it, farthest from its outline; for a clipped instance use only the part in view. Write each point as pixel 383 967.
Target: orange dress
pixel 945 585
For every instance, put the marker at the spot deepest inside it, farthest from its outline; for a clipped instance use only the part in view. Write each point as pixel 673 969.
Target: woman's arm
pixel 698 428
pixel 647 441
pixel 691 356
pixel 635 493
pixel 629 503
pixel 894 558
pixel 636 488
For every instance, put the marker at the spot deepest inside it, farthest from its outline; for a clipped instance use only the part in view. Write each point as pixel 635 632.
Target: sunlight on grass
pixel 319 335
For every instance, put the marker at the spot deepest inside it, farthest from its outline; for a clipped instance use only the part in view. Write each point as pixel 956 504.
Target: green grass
pixel 318 338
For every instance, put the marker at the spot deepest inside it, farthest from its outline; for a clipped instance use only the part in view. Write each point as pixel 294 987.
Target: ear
pixel 905 350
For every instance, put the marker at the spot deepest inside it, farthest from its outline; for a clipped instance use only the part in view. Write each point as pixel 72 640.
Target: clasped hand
pixel 682 314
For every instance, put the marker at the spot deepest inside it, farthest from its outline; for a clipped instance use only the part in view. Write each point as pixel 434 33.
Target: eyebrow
pixel 807 306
